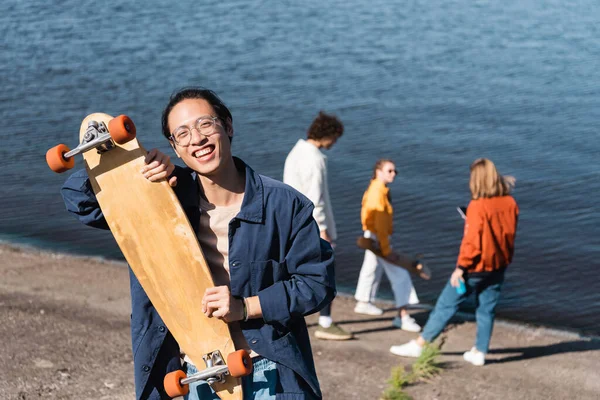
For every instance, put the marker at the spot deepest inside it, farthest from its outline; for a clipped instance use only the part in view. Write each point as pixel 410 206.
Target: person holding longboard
pixel 261 242
pixel 377 216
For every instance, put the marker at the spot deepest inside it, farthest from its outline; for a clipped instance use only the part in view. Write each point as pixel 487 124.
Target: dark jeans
pixel 487 291
pixel 326 312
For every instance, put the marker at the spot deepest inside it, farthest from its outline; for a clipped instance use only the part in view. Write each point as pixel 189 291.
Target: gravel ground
pixel 65 335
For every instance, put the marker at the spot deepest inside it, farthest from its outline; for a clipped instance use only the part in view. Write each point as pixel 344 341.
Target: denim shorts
pixel 260 385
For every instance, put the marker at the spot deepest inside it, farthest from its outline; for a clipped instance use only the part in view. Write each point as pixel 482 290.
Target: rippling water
pixel 431 85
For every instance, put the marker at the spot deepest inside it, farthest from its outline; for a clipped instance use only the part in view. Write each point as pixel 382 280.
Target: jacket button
pixel 235 264
pixel 162 329
pixel 254 341
pixel 146 368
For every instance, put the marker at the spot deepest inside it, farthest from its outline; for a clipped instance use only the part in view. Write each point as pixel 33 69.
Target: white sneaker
pixel 475 357
pixel 367 308
pixel 410 349
pixel 406 324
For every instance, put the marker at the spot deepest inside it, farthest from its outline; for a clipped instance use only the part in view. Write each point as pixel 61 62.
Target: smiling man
pixel 261 242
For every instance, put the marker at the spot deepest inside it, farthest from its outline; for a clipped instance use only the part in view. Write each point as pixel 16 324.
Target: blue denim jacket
pixel 275 253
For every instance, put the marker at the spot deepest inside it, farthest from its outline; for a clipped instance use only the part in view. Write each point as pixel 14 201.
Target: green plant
pixel 424 368
pixel 399 379
pixel 395 394
pixel 428 364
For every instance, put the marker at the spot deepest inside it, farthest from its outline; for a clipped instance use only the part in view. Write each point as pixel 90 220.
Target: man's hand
pixel 456 276
pixel 158 166
pixel 219 303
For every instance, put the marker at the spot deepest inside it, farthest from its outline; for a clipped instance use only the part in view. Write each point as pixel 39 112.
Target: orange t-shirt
pixel 488 242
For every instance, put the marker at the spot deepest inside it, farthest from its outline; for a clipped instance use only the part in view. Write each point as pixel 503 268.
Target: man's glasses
pixel 389 171
pixel 206 126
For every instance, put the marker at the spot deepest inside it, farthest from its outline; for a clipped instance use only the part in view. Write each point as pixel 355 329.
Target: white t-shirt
pixel 306 171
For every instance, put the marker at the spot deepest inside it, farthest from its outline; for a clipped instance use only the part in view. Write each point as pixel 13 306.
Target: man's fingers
pixel 150 156
pixel 152 165
pixel 153 168
pixel 210 298
pixel 222 290
pixel 155 159
pixel 220 313
pixel 209 309
pixel 214 304
pixel 157 177
pixel 217 309
pixel 214 289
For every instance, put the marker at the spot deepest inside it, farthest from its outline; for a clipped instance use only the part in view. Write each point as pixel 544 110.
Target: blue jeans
pixel 258 386
pixel 487 292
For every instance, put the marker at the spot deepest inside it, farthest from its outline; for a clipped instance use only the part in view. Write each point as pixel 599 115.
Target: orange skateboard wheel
pixel 239 363
pixel 173 386
pixel 121 129
pixel 55 157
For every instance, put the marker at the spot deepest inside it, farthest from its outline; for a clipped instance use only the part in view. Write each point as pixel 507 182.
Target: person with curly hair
pixel 306 171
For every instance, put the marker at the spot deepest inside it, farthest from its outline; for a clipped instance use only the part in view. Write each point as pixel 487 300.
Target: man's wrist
pixel 244 310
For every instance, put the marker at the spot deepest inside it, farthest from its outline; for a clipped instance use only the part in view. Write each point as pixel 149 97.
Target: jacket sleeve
pixel 470 247
pixel 310 264
pixel 81 201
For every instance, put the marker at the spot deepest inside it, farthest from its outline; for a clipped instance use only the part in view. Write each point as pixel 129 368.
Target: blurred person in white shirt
pixel 306 171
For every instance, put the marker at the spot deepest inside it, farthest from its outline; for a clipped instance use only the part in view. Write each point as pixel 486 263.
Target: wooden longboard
pixel 404 261
pixel 161 247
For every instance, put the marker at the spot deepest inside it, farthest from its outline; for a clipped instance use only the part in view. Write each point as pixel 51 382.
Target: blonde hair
pixel 485 180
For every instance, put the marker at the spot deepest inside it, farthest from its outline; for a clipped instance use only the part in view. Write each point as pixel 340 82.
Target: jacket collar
pixel 252 209
pixel 376 183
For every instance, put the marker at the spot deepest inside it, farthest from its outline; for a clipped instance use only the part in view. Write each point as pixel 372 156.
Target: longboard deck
pixel 161 247
pixel 404 261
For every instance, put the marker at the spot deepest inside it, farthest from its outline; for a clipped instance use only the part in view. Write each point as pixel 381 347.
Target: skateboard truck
pixel 96 136
pixel 120 130
pixel 238 364
pixel 212 360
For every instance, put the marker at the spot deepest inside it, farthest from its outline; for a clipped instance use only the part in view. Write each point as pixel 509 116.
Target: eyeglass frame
pixel 204 117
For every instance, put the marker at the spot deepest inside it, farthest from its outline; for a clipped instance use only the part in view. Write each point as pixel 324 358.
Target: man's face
pixel 204 155
pixel 327 143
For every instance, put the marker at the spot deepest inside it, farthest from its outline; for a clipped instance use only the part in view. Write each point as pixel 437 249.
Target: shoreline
pixel 467 316
pixel 66 335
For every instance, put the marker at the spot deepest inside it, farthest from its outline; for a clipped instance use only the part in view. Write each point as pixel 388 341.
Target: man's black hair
pixel 197 93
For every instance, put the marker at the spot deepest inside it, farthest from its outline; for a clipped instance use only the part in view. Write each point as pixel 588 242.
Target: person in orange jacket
pixel 377 216
pixel 486 250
